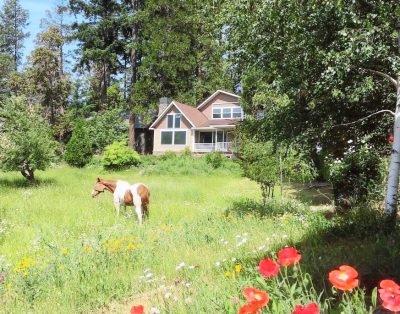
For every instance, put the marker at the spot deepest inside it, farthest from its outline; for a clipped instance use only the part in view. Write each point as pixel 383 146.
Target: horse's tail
pixel 144 193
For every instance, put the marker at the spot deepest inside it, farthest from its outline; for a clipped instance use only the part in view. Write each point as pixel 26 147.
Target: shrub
pixel 119 155
pixel 25 141
pixel 214 159
pixel 357 177
pixel 79 148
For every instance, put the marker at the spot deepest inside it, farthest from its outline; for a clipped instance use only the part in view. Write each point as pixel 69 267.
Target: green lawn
pixel 65 252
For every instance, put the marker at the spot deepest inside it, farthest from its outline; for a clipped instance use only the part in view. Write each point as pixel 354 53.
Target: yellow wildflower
pixel 228 274
pixel 131 246
pixel 238 268
pixel 61 267
pixel 24 264
pixel 87 249
pixel 64 252
pixel 9 286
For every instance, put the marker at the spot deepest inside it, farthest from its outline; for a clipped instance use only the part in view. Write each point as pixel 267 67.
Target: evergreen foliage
pixel 79 148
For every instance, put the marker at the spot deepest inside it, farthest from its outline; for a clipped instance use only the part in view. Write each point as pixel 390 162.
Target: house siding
pixel 221 100
pixel 185 124
pixel 159 148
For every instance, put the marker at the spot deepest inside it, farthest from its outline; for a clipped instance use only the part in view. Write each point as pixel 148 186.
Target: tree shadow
pixel 356 238
pixel 316 194
pixel 21 183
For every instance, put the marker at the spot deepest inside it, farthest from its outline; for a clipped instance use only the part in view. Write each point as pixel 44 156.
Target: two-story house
pixel 206 128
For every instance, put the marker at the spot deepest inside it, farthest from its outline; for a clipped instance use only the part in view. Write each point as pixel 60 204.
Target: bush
pixel 357 177
pixel 215 159
pixel 79 148
pixel 119 155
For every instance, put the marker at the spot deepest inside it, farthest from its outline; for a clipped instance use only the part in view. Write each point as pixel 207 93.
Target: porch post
pixel 193 139
pixel 216 139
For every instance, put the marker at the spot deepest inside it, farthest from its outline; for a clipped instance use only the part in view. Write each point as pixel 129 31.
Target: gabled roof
pixel 215 94
pixel 194 116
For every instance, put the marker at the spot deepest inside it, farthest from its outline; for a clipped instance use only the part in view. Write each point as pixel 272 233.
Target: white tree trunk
pixel 393 178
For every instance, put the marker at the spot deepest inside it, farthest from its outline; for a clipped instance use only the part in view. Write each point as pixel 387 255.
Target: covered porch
pixel 212 140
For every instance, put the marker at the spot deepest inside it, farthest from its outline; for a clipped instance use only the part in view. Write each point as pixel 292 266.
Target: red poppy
pixel 268 268
pixel 255 295
pixel 390 139
pixel 139 309
pixel 256 299
pixel 249 308
pixel 344 278
pixel 390 295
pixel 288 256
pixel 311 308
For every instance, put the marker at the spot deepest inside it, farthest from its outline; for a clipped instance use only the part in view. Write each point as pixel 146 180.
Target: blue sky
pixel 37 11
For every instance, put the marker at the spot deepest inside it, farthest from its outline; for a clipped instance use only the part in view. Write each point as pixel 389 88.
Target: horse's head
pixel 98 188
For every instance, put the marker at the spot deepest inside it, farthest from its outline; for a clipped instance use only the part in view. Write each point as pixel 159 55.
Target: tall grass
pixel 64 252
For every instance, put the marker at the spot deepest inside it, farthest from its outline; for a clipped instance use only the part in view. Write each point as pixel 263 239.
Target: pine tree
pixel 13 20
pixel 181 55
pixel 49 84
pixel 100 43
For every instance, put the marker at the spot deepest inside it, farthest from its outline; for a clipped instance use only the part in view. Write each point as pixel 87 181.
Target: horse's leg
pixel 117 205
pixel 138 205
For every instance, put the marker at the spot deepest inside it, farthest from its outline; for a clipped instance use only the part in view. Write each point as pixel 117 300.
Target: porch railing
pixel 211 147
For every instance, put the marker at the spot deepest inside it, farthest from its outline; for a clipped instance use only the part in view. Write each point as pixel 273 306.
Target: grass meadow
pixel 63 252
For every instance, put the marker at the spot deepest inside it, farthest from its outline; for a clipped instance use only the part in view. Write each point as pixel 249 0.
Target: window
pixel 177 120
pixel 236 112
pixel 166 138
pixel 170 121
pixel 173 137
pixel 227 113
pixel 216 113
pixel 174 121
pixel 180 137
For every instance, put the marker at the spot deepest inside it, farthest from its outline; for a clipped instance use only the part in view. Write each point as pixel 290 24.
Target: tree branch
pixel 359 120
pixel 386 76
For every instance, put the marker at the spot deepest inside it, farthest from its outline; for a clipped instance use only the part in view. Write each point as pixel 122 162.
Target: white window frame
pixel 174 120
pixel 173 136
pixel 221 108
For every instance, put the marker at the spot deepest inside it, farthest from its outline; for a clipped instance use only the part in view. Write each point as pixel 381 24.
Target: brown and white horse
pixel 125 194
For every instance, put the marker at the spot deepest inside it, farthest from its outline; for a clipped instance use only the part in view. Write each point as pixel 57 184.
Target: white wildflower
pixel 149 275
pixel 180 265
pixel 188 300
pixel 167 295
pixel 154 310
pixel 218 264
